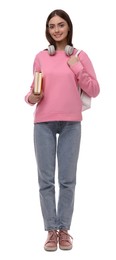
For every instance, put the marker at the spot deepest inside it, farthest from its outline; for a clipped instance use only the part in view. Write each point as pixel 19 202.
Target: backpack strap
pixel 77 53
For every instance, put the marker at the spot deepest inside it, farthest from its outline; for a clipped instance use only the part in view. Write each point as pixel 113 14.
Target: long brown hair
pixel 64 16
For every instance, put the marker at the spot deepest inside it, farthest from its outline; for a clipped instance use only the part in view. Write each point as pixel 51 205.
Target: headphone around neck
pixel 68 50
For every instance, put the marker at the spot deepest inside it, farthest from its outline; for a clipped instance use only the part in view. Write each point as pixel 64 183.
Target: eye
pixel 61 25
pixel 51 26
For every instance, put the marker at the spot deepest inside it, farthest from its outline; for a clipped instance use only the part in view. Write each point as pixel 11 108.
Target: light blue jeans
pixel 67 151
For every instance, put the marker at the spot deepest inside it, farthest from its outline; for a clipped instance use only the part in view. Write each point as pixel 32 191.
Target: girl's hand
pixel 72 60
pixel 35 98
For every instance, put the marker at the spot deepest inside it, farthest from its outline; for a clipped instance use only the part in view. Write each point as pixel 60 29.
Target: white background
pixel 22 31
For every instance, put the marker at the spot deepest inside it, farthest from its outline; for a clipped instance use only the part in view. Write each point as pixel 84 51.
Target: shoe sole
pixel 65 247
pixel 50 249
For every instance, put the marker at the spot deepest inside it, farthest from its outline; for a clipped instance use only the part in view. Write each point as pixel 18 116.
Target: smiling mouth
pixel 57 35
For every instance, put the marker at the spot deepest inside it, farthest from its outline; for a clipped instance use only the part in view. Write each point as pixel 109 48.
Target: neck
pixel 61 45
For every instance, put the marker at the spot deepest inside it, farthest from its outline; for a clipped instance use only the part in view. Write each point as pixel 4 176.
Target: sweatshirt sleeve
pixel 85 75
pixel 36 67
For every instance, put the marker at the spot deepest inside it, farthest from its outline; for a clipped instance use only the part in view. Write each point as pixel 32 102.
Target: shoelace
pixel 64 235
pixel 53 235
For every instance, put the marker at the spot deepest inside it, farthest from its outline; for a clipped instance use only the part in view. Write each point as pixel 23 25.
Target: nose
pixel 56 28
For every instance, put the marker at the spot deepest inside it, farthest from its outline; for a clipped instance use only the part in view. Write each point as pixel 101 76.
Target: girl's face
pixel 58 28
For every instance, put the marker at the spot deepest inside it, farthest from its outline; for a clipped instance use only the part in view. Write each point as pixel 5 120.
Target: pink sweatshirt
pixel 61 101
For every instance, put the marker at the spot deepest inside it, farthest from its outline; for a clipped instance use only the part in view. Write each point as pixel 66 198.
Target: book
pixel 37 82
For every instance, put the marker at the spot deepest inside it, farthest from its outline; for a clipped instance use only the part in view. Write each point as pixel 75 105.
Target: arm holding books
pixel 36 93
pixel 35 98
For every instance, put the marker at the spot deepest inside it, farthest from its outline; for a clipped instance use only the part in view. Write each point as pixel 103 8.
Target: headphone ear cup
pixel 51 50
pixel 69 50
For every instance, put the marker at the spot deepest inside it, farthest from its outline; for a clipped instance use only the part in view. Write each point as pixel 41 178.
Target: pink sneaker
pixel 65 240
pixel 52 241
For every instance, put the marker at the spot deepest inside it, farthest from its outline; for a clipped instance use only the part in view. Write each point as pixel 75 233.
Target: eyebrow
pixel 57 24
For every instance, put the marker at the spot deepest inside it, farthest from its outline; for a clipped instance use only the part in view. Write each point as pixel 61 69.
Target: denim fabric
pixel 61 139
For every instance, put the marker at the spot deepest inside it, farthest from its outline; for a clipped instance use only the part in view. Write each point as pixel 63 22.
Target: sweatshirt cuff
pixel 76 68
